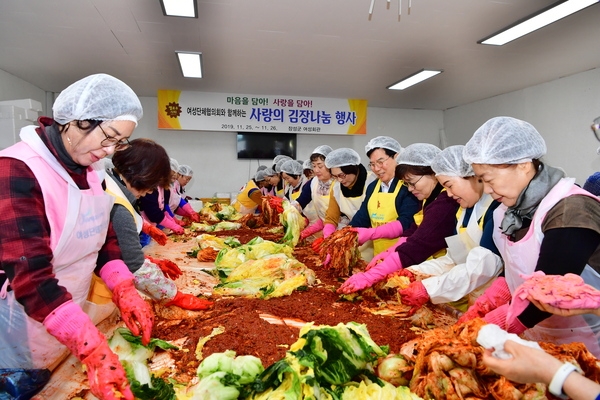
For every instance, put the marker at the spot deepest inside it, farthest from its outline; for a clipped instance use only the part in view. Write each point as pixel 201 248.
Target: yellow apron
pixel 382 209
pixel 244 203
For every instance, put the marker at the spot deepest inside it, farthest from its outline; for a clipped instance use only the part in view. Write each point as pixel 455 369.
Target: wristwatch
pixel 559 378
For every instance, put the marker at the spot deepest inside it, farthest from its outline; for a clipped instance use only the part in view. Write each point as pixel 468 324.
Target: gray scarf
pixel 530 198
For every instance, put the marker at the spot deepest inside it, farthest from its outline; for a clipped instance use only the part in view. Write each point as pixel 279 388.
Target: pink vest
pixel 78 222
pixel 520 259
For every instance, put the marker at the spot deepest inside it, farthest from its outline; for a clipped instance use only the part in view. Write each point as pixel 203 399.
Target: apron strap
pixel 4 280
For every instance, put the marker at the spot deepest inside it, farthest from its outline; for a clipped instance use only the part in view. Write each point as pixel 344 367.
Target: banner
pixel 201 111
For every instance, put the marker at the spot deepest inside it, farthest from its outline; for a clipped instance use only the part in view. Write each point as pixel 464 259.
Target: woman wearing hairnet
pixel 184 176
pixel 177 202
pixel 388 205
pixel 545 223
pixel 136 171
pixel 315 195
pixel 291 173
pixel 425 237
pixel 472 259
pixel 250 196
pixel 275 179
pixel 56 235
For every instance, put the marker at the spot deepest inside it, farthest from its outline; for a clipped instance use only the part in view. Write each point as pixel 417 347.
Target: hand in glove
pixel 168 267
pixel 73 328
pixel 155 233
pixel 136 313
pixel 494 296
pixel 390 230
pixel 498 317
pixel 369 278
pixel 414 295
pixel 169 222
pixel 328 229
pixel 186 210
pixel 189 302
pixel 384 254
pixel 317 226
pixel 316 244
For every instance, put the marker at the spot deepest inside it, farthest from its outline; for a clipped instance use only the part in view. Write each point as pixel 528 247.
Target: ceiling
pixel 315 48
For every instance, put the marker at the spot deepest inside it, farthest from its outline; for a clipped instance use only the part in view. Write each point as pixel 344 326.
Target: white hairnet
pixel 99 97
pixel 174 164
pixel 383 142
pixel 504 140
pixel 292 167
pixel 261 167
pixel 280 162
pixel 323 150
pixel 280 157
pixel 260 175
pixel 342 157
pixel 270 172
pixel 307 164
pixel 450 163
pixel 418 154
pixel 185 170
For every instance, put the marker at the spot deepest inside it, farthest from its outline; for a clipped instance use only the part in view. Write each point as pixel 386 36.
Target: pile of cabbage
pixel 326 363
pixel 261 269
pixel 219 212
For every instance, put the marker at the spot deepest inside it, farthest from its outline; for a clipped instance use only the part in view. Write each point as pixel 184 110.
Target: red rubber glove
pixel 168 267
pixel 414 295
pixel 367 279
pixel 189 302
pixel 495 296
pixel 74 328
pixel 180 222
pixel 498 317
pixel 316 244
pixel 159 236
pixel 136 313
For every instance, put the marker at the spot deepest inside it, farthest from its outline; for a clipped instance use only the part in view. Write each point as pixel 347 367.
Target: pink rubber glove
pixel 414 295
pixel 390 230
pixel 498 317
pixel 169 222
pixel 155 233
pixel 384 254
pixel 317 226
pixel 495 296
pixel 136 313
pixel 328 229
pixel 74 328
pixel 187 211
pixel 369 278
pixel 189 302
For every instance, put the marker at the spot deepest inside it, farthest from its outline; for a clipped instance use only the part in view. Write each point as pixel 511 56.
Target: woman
pixel 387 204
pixel 315 196
pixel 425 237
pixel 184 176
pixel 178 205
pixel 250 196
pixel 275 178
pixel 291 172
pixel 57 235
pixel 471 259
pixel 545 223
pixel 307 170
pixel 137 171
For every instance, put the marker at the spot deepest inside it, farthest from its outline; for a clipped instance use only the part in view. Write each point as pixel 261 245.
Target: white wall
pixel 561 110
pixel 13 88
pixel 213 155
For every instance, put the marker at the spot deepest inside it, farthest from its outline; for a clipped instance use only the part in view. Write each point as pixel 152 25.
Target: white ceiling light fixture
pixel 190 63
pixel 415 78
pixel 537 20
pixel 180 8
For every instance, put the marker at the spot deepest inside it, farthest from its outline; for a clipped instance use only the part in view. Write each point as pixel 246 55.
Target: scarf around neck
pixel 357 189
pixel 530 198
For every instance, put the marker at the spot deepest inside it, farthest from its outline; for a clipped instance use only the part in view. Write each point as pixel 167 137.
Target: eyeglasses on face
pixel 379 162
pixel 339 176
pixel 411 185
pixel 113 141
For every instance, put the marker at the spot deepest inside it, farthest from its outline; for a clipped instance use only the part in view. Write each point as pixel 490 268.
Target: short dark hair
pixel 317 156
pixel 350 169
pixel 390 153
pixel 145 165
pixel 404 169
pixel 86 126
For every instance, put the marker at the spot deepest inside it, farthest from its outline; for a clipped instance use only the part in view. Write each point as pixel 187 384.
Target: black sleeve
pixel 564 250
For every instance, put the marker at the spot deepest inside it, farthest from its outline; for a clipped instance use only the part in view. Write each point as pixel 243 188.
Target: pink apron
pixel 78 221
pixel 520 258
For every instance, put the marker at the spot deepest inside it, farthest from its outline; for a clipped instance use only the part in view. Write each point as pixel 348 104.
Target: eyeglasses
pixel 411 185
pixel 113 141
pixel 379 162
pixel 339 176
pixel 596 128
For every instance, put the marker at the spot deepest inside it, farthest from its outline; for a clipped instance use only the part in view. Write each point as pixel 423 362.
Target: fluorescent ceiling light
pixel 415 78
pixel 536 21
pixel 180 8
pixel 191 64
